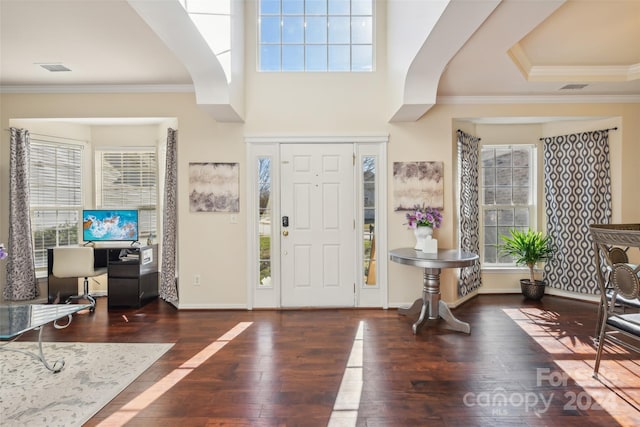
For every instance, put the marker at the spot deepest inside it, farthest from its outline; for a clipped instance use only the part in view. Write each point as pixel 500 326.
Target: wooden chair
pixel 619 285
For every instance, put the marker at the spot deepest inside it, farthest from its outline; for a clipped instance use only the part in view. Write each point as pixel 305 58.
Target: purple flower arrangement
pixel 424 217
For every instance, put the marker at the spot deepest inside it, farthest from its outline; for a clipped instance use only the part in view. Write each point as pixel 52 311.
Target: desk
pixel 17 319
pixel 432 265
pixel 132 275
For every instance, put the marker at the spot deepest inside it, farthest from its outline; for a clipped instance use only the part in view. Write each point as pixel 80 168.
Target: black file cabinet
pixel 132 276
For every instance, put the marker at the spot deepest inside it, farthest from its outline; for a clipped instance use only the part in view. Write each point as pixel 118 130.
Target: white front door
pixel 318 245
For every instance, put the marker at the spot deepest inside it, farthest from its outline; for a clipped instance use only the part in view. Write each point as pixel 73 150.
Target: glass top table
pixel 16 319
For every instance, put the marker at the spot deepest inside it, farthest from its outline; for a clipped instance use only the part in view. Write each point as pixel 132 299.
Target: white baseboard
pixel 572 295
pixel 499 291
pixel 462 300
pixel 453 304
pixel 396 305
pixel 182 306
pixel 548 291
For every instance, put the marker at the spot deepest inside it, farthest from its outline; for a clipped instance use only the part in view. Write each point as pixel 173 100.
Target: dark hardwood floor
pixel 524 364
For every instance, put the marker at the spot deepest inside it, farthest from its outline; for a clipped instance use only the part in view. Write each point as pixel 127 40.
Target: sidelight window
pixel 369 219
pixel 264 221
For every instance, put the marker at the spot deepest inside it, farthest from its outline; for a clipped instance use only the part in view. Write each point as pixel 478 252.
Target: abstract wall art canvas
pixel 214 187
pixel 418 183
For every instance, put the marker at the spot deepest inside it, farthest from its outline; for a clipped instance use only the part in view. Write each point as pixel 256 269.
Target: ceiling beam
pixel 457 22
pixel 171 22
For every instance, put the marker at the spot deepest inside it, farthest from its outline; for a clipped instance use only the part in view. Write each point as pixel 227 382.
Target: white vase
pixel 421 234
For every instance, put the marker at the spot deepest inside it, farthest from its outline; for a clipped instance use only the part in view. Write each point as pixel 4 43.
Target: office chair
pixel 76 261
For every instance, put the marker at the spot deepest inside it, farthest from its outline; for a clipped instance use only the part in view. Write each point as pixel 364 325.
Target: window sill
pixel 509 270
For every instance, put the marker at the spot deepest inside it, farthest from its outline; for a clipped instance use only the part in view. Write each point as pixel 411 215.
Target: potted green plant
pixel 528 248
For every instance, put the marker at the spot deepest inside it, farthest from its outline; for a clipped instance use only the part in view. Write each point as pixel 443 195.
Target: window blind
pixel 129 179
pixel 55 184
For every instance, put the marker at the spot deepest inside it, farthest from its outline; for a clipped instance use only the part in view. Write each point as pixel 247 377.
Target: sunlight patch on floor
pixel 618 389
pixel 131 409
pixel 548 331
pixel 345 408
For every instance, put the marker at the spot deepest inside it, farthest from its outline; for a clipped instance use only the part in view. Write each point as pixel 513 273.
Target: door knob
pixel 285 233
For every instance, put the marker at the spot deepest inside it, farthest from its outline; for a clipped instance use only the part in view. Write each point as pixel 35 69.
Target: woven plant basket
pixel 532 291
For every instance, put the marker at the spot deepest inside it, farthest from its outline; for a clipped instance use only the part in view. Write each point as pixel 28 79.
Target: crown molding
pixel 307 139
pixel 583 74
pixel 541 99
pixel 524 99
pixel 186 88
pixel 571 73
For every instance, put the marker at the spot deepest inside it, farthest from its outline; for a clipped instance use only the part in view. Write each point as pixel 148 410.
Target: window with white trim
pixel 315 35
pixel 508 196
pixel 369 164
pixel 265 213
pixel 55 184
pixel 128 179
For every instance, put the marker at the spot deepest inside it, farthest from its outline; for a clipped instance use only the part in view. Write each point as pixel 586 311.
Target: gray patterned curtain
pixel 468 164
pixel 21 270
pixel 577 193
pixel 168 278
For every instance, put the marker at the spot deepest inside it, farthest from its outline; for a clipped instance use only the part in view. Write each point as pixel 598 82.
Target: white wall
pixel 313 104
pixel 211 246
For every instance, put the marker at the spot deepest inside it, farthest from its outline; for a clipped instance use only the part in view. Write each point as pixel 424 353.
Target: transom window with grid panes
pixel 55 185
pixel 128 179
pixel 315 35
pixel 507 196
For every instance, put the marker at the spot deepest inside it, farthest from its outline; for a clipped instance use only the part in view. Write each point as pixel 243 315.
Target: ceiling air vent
pixel 54 67
pixel 574 86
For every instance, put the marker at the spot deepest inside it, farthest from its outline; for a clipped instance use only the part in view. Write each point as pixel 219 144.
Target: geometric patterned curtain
pixel 468 165
pixel 168 276
pixel 577 193
pixel 21 271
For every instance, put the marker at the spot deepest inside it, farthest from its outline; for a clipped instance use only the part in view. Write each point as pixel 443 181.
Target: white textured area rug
pixel 94 373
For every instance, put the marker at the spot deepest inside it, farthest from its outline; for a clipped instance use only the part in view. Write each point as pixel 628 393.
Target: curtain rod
pixel 53 136
pixel 601 130
pixel 459 130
